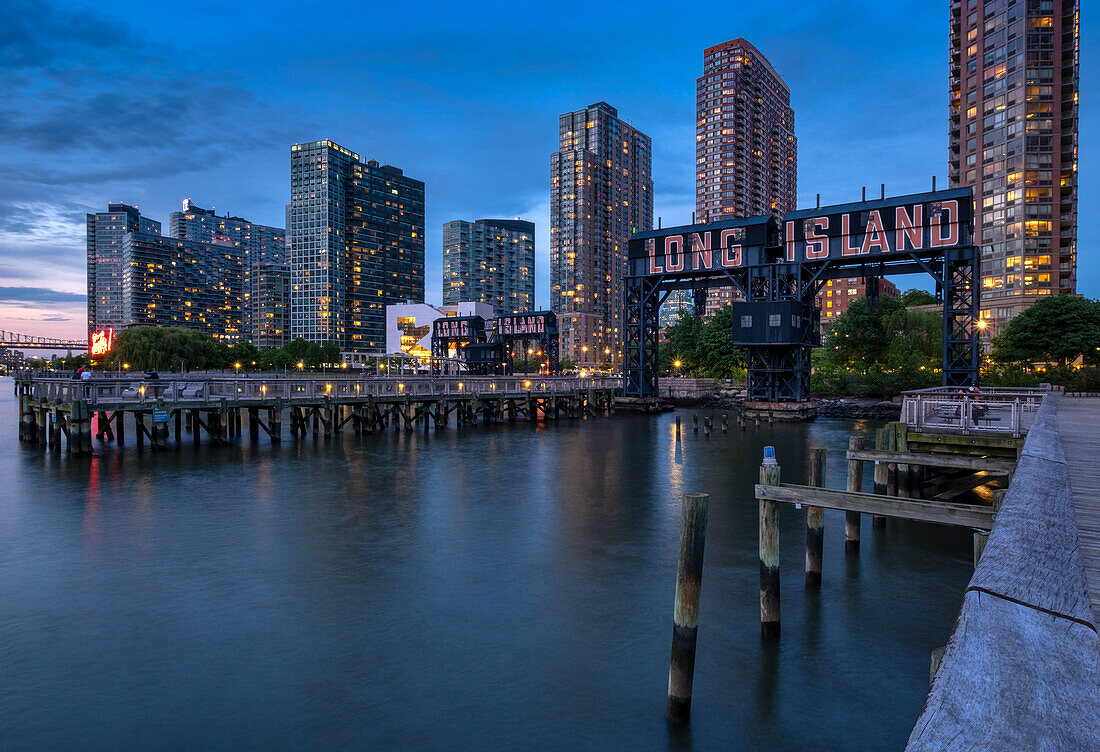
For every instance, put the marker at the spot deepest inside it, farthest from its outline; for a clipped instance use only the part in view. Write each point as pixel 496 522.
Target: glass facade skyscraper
pixel 356 245
pixel 490 261
pixel 105 266
pixel 1013 139
pixel 601 192
pixel 260 244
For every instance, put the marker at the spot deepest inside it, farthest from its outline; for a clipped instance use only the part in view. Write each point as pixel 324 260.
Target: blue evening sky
pixel 149 103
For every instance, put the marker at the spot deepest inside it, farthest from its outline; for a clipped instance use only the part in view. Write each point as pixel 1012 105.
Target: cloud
pixel 35 296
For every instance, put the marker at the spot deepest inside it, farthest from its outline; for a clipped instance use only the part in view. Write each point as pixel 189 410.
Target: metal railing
pixel 118 390
pixel 1000 411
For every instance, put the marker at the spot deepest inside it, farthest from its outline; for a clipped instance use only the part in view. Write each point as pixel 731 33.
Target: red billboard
pixel 99 343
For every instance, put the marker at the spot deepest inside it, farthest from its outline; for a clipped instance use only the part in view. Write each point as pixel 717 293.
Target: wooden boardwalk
pixel 1077 421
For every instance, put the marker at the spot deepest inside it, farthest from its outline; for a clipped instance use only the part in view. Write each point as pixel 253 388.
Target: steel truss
pixel 781 372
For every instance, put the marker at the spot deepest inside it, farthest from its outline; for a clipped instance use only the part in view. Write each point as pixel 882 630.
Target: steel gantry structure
pixel 779 268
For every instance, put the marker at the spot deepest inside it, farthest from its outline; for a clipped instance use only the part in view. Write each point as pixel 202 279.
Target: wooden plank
pixel 937 459
pixel 965 515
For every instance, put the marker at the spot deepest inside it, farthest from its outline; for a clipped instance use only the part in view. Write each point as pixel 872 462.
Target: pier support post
pixel 85 430
pixel 40 431
pixel 882 473
pixel 26 420
pixel 55 432
pixel 980 539
pixel 160 436
pixel 188 421
pixel 677 426
pixel 139 426
pixel 254 424
pixel 685 629
pixel 769 550
pixel 695 422
pixel 275 420
pixel 855 483
pixel 725 422
pixel 179 426
pixel 706 425
pixel 815 522
pixel 119 417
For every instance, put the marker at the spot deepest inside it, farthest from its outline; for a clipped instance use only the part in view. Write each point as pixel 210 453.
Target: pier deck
pixel 60 412
pixel 1077 420
pixel 1022 667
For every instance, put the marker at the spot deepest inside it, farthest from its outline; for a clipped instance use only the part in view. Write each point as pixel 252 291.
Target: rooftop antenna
pixel 658 223
pixel 933 183
pixel 864 193
pixel 882 192
pixel 819 201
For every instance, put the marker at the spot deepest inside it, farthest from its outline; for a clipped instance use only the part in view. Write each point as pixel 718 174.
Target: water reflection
pixel 483 587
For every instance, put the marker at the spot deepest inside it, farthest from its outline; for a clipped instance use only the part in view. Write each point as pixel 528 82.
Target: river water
pixel 502 587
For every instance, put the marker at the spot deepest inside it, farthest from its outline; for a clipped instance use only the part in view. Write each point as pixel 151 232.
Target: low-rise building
pixel 409 325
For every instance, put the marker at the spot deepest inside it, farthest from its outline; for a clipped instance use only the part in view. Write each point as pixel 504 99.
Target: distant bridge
pixel 17 341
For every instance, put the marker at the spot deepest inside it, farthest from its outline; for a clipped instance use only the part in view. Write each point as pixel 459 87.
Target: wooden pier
pixel 59 413
pixel 1021 669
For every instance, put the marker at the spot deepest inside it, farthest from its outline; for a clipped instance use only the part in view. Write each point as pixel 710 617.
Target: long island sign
pixel 870 230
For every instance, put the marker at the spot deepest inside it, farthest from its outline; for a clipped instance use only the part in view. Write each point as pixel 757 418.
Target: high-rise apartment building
pixel 601 192
pixel 270 303
pixel 490 261
pixel 356 245
pixel 259 243
pixel 106 236
pixel 746 153
pixel 172 282
pixel 1013 139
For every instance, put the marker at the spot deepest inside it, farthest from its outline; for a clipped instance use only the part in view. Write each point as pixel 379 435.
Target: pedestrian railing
pixel 117 390
pixel 1000 411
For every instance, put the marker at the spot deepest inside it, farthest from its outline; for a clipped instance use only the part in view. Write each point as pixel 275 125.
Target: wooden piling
pixel 695 422
pixel 882 473
pixel 677 426
pixel 120 426
pixel 815 522
pixel 40 431
pixel 855 483
pixel 275 421
pixel 254 424
pixel 980 539
pixel 769 550
pixel 55 431
pixel 85 426
pixel 891 474
pixel 685 629
pixel 139 425
pixel 706 425
pixel 725 422
pixel 179 426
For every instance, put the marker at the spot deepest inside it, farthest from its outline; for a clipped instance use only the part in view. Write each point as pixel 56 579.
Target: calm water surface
pixel 507 587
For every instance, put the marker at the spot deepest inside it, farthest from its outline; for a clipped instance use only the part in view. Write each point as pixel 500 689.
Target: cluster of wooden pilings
pixel 45 422
pixel 910 482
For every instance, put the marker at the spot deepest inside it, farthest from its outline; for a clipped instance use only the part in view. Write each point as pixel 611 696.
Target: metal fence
pixel 1000 411
pixel 118 390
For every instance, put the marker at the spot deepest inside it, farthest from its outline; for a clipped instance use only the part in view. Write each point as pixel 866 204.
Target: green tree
pixel 916 297
pixel 703 347
pixel 1057 329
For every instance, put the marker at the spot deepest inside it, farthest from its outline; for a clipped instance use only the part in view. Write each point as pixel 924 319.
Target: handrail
pixel 119 390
